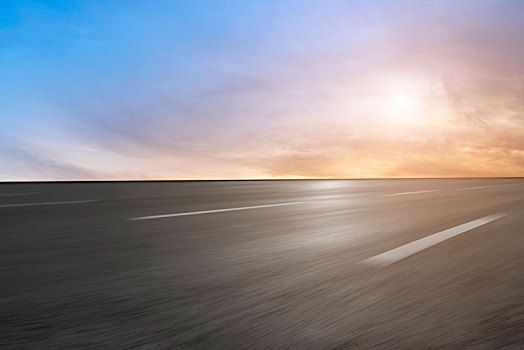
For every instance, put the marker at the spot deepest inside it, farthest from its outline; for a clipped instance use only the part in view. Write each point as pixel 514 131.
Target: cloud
pixel 311 98
pixel 19 164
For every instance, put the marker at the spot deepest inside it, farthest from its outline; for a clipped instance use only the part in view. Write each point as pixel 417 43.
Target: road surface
pixel 339 264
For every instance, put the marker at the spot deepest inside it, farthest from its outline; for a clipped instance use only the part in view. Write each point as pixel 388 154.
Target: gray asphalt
pixel 79 271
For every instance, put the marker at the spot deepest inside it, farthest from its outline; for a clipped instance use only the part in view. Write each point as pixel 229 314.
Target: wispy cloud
pixel 342 89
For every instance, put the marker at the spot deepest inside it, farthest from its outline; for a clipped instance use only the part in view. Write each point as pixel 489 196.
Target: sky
pixel 108 89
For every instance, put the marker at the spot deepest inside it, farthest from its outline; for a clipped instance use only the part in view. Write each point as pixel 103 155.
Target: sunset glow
pixel 261 89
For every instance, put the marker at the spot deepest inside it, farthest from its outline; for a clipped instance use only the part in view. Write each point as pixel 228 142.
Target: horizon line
pixel 264 179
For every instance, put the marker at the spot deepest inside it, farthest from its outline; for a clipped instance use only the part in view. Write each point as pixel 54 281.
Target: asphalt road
pixel 354 264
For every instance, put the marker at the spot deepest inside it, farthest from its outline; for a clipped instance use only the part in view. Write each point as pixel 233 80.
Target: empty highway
pixel 295 264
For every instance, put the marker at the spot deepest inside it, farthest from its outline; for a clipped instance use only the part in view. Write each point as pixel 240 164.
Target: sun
pixel 403 103
pixel 403 108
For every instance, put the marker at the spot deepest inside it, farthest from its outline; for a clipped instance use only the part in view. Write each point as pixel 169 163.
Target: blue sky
pixel 255 89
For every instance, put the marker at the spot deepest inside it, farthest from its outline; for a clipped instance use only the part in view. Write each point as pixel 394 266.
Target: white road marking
pixel 212 211
pixel 402 252
pixel 405 193
pixel 18 194
pixel 459 189
pixel 46 203
pixel 473 188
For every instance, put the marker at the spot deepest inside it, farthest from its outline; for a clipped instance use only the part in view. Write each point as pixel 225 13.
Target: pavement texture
pixel 262 265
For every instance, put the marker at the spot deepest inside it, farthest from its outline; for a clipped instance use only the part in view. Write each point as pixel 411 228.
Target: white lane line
pixel 405 193
pixel 47 203
pixel 402 252
pixel 18 194
pixel 459 189
pixel 211 211
pixel 474 188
